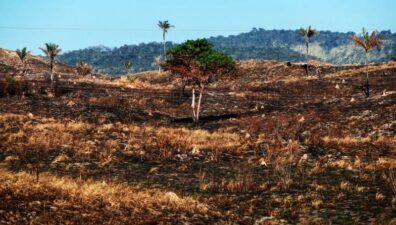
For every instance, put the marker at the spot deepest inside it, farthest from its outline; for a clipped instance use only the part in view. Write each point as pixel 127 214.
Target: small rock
pixel 303 158
pixel 172 196
pixel 195 151
pixel 181 157
pixel 262 162
pixel 71 103
pixel 61 158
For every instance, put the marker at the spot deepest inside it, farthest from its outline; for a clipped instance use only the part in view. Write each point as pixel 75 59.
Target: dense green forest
pixel 286 45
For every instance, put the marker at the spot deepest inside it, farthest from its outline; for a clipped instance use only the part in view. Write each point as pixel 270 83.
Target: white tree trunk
pixel 164 45
pixel 193 104
pixel 199 102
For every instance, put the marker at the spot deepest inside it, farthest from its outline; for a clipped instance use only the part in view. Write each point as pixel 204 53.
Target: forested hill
pixel 286 45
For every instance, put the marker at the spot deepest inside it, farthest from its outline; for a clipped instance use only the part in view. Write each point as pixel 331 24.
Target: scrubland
pixel 273 147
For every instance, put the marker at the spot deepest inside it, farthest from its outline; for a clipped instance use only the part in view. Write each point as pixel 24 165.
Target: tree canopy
pixel 198 62
pixel 22 54
pixel 366 41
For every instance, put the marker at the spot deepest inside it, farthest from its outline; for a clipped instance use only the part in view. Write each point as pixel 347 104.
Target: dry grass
pixel 285 147
pixel 100 201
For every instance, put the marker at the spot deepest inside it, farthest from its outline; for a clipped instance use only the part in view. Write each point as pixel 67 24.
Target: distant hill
pixel 285 45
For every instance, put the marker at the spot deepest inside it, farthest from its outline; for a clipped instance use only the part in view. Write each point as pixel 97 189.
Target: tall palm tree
pixel 23 54
pixel 367 42
pixel 307 34
pixel 52 51
pixel 164 26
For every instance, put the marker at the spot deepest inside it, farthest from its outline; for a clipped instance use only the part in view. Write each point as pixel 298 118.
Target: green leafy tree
pixel 367 42
pixel 23 54
pixel 198 64
pixel 128 66
pixel 307 34
pixel 51 50
pixel 165 26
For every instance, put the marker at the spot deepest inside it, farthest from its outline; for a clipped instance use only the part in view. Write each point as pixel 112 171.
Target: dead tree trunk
pixel 199 102
pixel 193 104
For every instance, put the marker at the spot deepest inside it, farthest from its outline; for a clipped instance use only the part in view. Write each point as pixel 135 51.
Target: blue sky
pixel 75 24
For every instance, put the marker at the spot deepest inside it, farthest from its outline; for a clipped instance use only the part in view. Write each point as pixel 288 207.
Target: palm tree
pixel 164 26
pixel 307 33
pixel 127 66
pixel 52 51
pixel 23 54
pixel 367 42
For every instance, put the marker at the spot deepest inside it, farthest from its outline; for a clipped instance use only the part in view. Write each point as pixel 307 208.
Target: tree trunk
pixel 193 104
pixel 307 57
pixel 52 71
pixel 367 90
pixel 163 36
pixel 23 68
pixel 199 102
pixel 52 77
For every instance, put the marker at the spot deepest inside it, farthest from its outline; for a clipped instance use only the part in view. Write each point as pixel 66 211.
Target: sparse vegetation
pixel 83 69
pixel 273 147
pixel 117 152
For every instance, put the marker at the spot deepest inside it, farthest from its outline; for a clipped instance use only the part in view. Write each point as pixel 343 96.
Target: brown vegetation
pixel 273 147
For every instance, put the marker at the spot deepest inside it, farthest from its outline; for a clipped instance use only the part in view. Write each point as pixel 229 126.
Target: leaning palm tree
pixel 23 54
pixel 52 51
pixel 367 42
pixel 164 26
pixel 307 34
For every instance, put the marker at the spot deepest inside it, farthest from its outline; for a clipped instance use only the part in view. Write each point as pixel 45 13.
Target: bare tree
pixel 367 42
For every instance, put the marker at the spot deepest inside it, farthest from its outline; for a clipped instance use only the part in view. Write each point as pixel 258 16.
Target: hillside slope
pixel 285 45
pixel 273 146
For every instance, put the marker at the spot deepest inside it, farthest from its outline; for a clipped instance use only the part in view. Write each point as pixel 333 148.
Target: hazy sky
pixel 75 24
